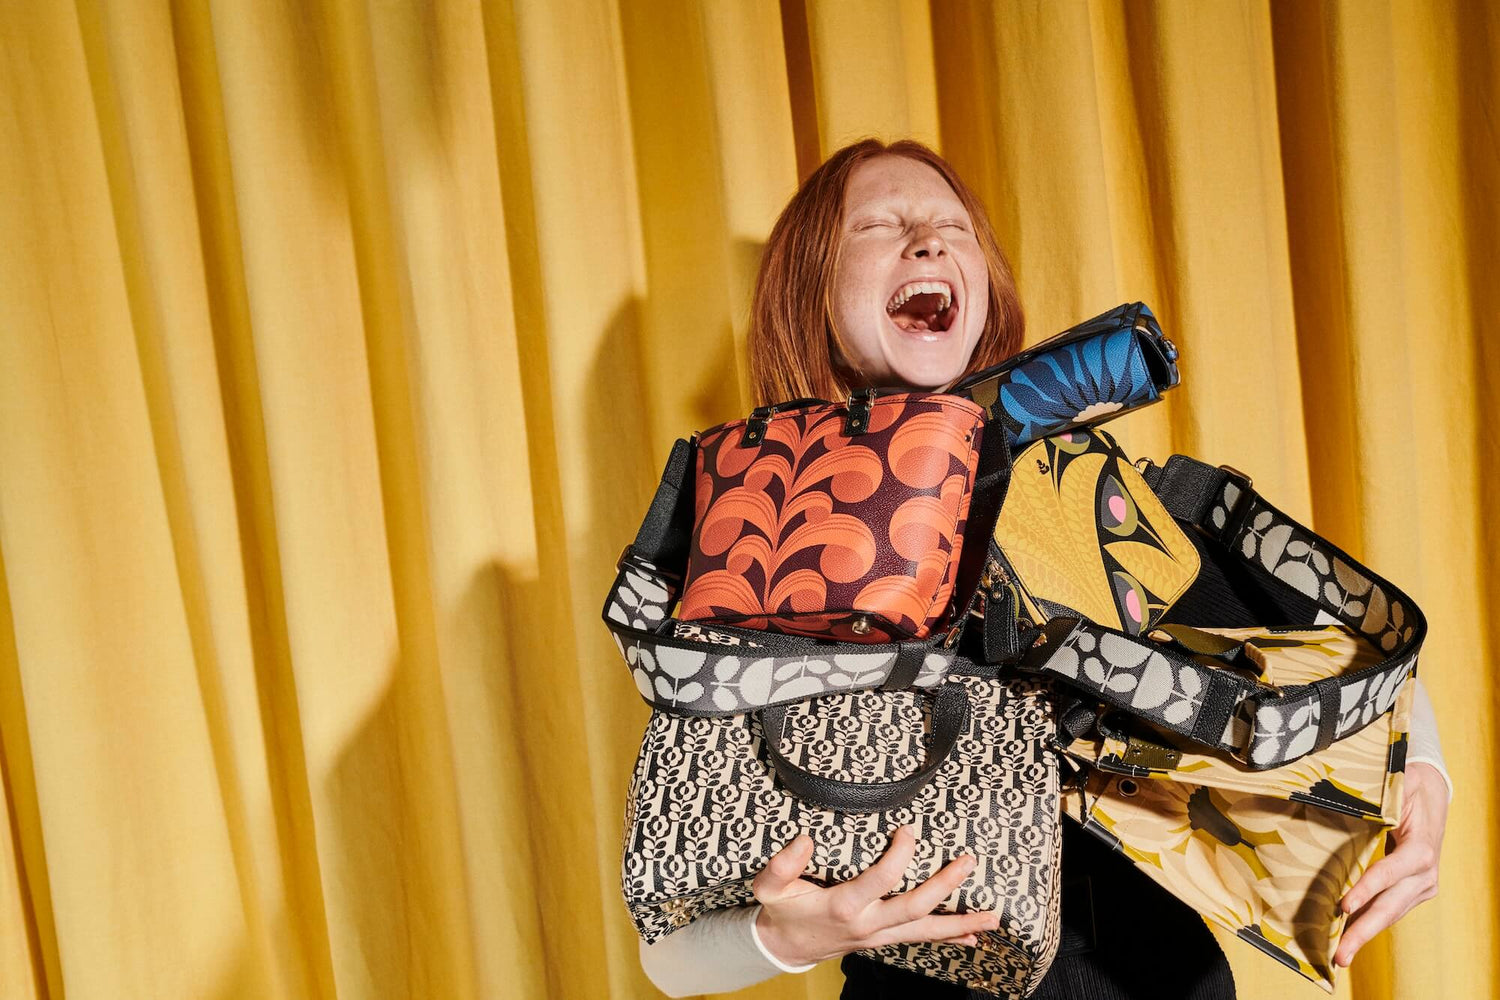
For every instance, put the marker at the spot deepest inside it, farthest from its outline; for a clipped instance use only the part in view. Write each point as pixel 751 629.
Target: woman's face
pixel 911 293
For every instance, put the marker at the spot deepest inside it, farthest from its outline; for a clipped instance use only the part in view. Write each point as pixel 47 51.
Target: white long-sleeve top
pixel 721 951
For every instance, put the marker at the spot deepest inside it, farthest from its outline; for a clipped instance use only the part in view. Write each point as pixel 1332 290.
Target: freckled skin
pixel 901 222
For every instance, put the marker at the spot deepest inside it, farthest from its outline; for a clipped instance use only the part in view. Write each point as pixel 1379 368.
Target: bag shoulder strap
pixel 740 670
pixel 1259 724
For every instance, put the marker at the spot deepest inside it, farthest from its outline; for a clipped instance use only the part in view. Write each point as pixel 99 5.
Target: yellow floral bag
pixel 1232 687
pixel 1267 854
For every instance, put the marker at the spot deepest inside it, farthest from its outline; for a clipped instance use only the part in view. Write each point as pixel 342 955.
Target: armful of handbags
pixel 819 548
pixel 815 680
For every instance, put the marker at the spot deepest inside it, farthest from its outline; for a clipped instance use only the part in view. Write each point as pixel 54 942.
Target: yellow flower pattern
pixel 1266 854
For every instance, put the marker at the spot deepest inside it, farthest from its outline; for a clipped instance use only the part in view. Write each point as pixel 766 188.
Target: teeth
pixel 911 288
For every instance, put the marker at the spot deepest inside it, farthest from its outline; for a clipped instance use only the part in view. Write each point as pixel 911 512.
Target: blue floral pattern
pixel 1076 384
pixel 1082 376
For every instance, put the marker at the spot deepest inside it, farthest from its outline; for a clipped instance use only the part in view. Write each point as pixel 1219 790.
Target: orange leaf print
pixel 725 522
pixel 855 472
pixel 887 413
pixel 814 503
pixel 717 590
pixel 922 449
pixel 955 495
pixel 798 438
pixel 766 470
pixel 792 539
pixel 848 546
pixel 703 487
pixel 920 525
pixel 894 597
pixel 731 459
pixel 802 590
pixel 748 551
pixel 934 577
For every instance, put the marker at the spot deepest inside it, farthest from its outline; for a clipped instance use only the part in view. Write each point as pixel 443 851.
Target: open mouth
pixel 923 307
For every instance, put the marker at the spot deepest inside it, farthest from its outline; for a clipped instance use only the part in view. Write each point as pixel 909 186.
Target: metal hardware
pixel 1249 483
pixel 755 426
pixel 860 625
pixel 1149 754
pixel 860 403
pixel 1127 786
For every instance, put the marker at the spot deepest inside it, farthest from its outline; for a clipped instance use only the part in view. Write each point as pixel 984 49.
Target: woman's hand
pixel 801 923
pixel 1408 874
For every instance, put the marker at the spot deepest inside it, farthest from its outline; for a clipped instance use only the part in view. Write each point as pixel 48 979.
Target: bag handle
pixel 689 677
pixel 1217 706
pixel 950 717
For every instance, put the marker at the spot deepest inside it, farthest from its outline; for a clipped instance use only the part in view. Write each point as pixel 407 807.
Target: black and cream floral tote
pixel 756 736
pixel 709 803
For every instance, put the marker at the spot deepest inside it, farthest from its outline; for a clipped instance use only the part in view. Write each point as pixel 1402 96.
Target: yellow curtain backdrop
pixel 340 344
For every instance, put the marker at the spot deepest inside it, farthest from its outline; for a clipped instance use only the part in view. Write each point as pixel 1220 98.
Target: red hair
pixel 792 341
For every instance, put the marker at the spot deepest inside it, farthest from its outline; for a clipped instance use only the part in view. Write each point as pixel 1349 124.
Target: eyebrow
pixel 901 203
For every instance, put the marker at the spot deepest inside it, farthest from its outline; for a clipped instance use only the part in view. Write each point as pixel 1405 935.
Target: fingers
pixel 1412 856
pixel 1386 909
pixel 784 868
pixel 968 939
pixel 885 874
pixel 936 927
pixel 923 899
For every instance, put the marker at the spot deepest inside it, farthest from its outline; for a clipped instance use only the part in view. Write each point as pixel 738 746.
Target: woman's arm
pixel 1423 746
pixel 718 952
pixel 808 923
pixel 1408 873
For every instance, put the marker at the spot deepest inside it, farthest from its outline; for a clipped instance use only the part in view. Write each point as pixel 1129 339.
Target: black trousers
pixel 1123 938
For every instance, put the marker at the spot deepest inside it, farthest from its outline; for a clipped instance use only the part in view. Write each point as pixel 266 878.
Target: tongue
pixel 920 312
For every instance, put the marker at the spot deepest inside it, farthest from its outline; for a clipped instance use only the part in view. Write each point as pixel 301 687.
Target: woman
pixel 835 309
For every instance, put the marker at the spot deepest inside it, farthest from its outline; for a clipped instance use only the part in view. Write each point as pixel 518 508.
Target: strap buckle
pixel 1236 473
pixel 755 426
pixel 1236 515
pixel 859 405
pixel 626 554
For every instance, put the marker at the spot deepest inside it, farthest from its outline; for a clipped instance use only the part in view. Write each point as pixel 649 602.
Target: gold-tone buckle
pixel 1249 483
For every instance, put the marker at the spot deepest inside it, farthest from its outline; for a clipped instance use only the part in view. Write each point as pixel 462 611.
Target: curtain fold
pixel 341 342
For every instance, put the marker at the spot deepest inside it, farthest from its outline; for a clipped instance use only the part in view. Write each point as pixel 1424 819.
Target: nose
pixel 925 241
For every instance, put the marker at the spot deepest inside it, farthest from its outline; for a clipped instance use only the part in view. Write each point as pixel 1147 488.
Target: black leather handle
pixel 950 715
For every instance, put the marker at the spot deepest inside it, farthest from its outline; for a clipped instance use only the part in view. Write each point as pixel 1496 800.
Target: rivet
pixel 860 625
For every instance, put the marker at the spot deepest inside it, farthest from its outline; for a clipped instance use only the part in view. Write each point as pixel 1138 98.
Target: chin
pixel 928 372
pixel 929 365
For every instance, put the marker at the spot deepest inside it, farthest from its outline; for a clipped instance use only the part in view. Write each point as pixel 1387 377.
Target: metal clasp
pixel 1249 483
pixel 860 403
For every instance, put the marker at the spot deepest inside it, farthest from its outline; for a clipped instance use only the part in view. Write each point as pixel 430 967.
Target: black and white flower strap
pixel 740 670
pixel 1261 725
